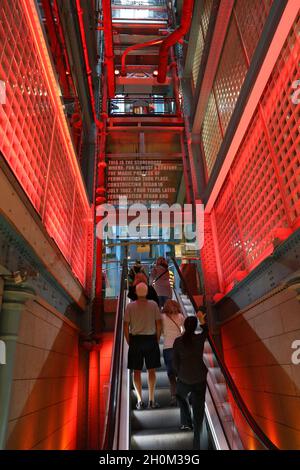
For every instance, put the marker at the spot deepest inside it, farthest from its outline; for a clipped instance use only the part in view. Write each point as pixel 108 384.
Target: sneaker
pixel 140 405
pixel 185 427
pixel 153 404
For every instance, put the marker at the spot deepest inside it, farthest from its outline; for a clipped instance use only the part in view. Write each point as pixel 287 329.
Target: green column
pixel 14 298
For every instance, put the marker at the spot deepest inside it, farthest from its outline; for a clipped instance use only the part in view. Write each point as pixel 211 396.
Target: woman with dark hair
pixel 191 375
pixel 160 279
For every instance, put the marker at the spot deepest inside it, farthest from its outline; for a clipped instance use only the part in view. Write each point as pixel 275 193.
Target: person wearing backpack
pixel 136 269
pixel 172 327
pixel 160 279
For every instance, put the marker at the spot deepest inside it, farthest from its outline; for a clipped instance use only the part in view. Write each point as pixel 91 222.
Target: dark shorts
pixel 143 347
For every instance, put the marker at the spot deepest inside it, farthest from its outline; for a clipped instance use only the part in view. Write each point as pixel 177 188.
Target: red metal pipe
pixel 186 18
pixel 56 48
pixel 87 62
pixel 63 42
pixel 135 47
pixel 109 47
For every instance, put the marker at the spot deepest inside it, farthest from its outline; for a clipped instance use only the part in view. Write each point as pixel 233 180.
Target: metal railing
pixel 116 367
pixel 139 3
pixel 142 106
pixel 260 434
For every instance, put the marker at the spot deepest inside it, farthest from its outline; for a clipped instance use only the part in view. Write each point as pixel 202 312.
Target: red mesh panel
pixel 208 260
pixel 256 192
pixel 211 134
pixel 230 76
pixel 46 167
pixel 27 117
pixel 230 243
pixel 60 195
pixel 262 190
pixel 251 18
pixel 282 118
pixel 205 17
pixel 79 238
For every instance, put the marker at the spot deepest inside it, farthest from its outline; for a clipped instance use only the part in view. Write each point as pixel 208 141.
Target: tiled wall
pixel 257 349
pixel 44 399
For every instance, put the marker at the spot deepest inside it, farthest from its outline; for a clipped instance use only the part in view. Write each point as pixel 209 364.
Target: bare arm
pixel 158 329
pixel 126 332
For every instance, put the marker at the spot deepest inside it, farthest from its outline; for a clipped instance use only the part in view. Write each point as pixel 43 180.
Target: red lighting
pixel 35 138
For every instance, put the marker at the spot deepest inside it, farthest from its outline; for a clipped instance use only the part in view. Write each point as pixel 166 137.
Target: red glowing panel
pixel 208 259
pixel 27 117
pixel 230 243
pixel 259 204
pixel 251 18
pixel 282 117
pixel 34 135
pixel 60 198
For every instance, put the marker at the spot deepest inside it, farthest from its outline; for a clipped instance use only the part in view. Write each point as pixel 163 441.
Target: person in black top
pixel 136 268
pixel 191 375
pixel 141 277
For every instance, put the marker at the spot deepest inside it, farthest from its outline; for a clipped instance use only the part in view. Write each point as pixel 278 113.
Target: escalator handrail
pixel 116 366
pixel 262 437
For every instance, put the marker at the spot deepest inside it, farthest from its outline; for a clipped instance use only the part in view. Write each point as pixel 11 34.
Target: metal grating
pixel 230 75
pixel 59 198
pixel 197 56
pixel 251 18
pixel 282 118
pixel 205 17
pixel 208 260
pixel 230 244
pixel 262 191
pixel 27 117
pixel 211 134
pixel 256 191
pixel 34 137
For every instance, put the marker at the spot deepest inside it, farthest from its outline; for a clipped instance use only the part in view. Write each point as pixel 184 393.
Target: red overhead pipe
pixel 135 47
pixel 63 42
pixel 56 48
pixel 87 62
pixel 186 18
pixel 109 47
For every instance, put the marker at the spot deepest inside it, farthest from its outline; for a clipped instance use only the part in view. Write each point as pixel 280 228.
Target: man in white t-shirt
pixel 142 330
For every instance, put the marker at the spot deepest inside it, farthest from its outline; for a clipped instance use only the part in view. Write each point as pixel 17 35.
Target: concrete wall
pixel 44 399
pixel 257 349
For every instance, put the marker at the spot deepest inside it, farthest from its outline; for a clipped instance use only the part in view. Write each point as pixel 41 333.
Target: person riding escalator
pixel 191 375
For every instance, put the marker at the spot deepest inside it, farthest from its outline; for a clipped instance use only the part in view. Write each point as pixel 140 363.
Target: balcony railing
pixel 139 3
pixel 142 106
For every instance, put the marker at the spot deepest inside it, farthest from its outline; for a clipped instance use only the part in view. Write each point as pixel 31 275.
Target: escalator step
pixel 162 439
pixel 155 419
pixel 162 396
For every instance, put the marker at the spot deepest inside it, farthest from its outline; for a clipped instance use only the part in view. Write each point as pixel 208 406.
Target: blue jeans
pixel 168 357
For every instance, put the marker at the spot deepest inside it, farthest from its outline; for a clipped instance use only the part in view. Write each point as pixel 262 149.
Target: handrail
pixel 262 437
pixel 116 367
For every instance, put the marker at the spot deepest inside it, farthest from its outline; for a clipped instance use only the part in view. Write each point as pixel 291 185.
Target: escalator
pixel 158 429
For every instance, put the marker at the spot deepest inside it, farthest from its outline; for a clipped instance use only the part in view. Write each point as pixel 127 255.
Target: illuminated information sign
pixel 153 181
